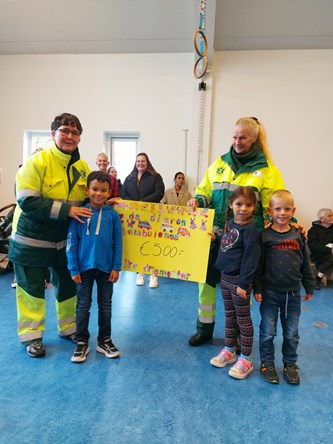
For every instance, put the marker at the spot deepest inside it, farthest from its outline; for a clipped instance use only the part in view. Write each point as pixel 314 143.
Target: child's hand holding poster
pixel 165 240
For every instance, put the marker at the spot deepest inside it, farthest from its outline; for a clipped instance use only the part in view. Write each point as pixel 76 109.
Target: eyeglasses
pixel 67 132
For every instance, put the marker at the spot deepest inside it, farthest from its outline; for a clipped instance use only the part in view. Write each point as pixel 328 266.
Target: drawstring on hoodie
pixel 98 223
pixel 286 305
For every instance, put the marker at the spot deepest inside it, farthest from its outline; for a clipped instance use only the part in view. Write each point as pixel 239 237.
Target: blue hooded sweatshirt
pixel 97 243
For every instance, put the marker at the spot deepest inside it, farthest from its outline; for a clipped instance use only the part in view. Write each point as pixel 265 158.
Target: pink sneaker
pixel 241 369
pixel 224 358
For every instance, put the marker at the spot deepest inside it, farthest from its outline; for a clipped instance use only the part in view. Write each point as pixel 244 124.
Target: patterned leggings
pixel 237 312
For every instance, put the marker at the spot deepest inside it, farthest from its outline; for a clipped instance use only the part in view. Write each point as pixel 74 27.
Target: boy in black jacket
pixel 284 265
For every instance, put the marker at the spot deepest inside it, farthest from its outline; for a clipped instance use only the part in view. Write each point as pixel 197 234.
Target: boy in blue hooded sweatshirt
pixel 94 251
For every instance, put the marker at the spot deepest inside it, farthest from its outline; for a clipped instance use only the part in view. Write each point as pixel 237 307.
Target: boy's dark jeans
pixel 104 300
pixel 289 305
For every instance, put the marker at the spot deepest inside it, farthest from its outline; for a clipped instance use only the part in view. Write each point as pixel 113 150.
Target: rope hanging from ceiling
pixel 200 44
pixel 199 70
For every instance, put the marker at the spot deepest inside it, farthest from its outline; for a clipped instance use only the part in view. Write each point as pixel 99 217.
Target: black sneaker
pixel 36 349
pixel 268 372
pixel 290 374
pixel 108 348
pixel 81 351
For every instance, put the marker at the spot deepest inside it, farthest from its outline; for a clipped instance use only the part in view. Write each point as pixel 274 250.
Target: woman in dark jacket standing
pixel 146 185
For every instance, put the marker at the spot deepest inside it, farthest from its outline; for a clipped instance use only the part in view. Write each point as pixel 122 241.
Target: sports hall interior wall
pixel 156 95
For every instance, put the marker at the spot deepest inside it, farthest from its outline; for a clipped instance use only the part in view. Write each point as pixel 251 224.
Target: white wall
pixel 291 93
pixel 155 94
pixel 151 94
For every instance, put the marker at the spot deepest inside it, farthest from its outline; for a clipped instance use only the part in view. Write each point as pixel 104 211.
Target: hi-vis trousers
pixel 31 304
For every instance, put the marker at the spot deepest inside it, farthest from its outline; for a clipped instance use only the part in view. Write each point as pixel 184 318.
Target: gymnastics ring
pixel 196 75
pixel 202 35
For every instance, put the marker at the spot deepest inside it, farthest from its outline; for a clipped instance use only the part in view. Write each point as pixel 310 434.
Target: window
pixel 34 140
pixel 122 149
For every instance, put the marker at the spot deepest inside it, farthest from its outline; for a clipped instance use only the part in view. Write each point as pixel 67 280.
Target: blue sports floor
pixel 161 390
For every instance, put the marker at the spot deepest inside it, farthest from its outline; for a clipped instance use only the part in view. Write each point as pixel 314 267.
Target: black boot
pixel 198 339
pixel 204 334
pixel 318 283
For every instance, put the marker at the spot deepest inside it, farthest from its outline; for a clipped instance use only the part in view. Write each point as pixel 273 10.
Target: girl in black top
pixel 238 259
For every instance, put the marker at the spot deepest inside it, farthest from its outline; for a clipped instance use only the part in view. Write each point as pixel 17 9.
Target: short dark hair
pixel 100 176
pixel 177 174
pixel 66 119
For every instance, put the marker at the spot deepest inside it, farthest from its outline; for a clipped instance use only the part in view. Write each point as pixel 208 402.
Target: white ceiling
pixel 161 26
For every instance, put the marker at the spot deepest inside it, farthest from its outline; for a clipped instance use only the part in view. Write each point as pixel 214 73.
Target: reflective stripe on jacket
pixel 220 181
pixel 47 184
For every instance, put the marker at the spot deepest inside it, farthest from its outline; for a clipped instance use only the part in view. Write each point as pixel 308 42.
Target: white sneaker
pixel 80 353
pixel 140 279
pixel 241 369
pixel 153 281
pixel 224 358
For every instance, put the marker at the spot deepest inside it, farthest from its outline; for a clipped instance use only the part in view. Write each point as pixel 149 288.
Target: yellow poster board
pixel 165 240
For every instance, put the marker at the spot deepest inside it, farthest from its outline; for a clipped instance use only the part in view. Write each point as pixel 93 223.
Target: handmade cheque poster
pixel 165 240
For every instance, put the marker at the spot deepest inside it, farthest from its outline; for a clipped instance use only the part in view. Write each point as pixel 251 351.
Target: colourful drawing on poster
pixel 165 240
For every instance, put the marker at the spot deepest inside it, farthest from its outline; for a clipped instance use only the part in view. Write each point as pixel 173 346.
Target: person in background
pixel 238 260
pixel 113 173
pixel 146 185
pixel 320 241
pixel 284 266
pixel 94 251
pixel 50 189
pixel 177 195
pixel 247 163
pixel 102 163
